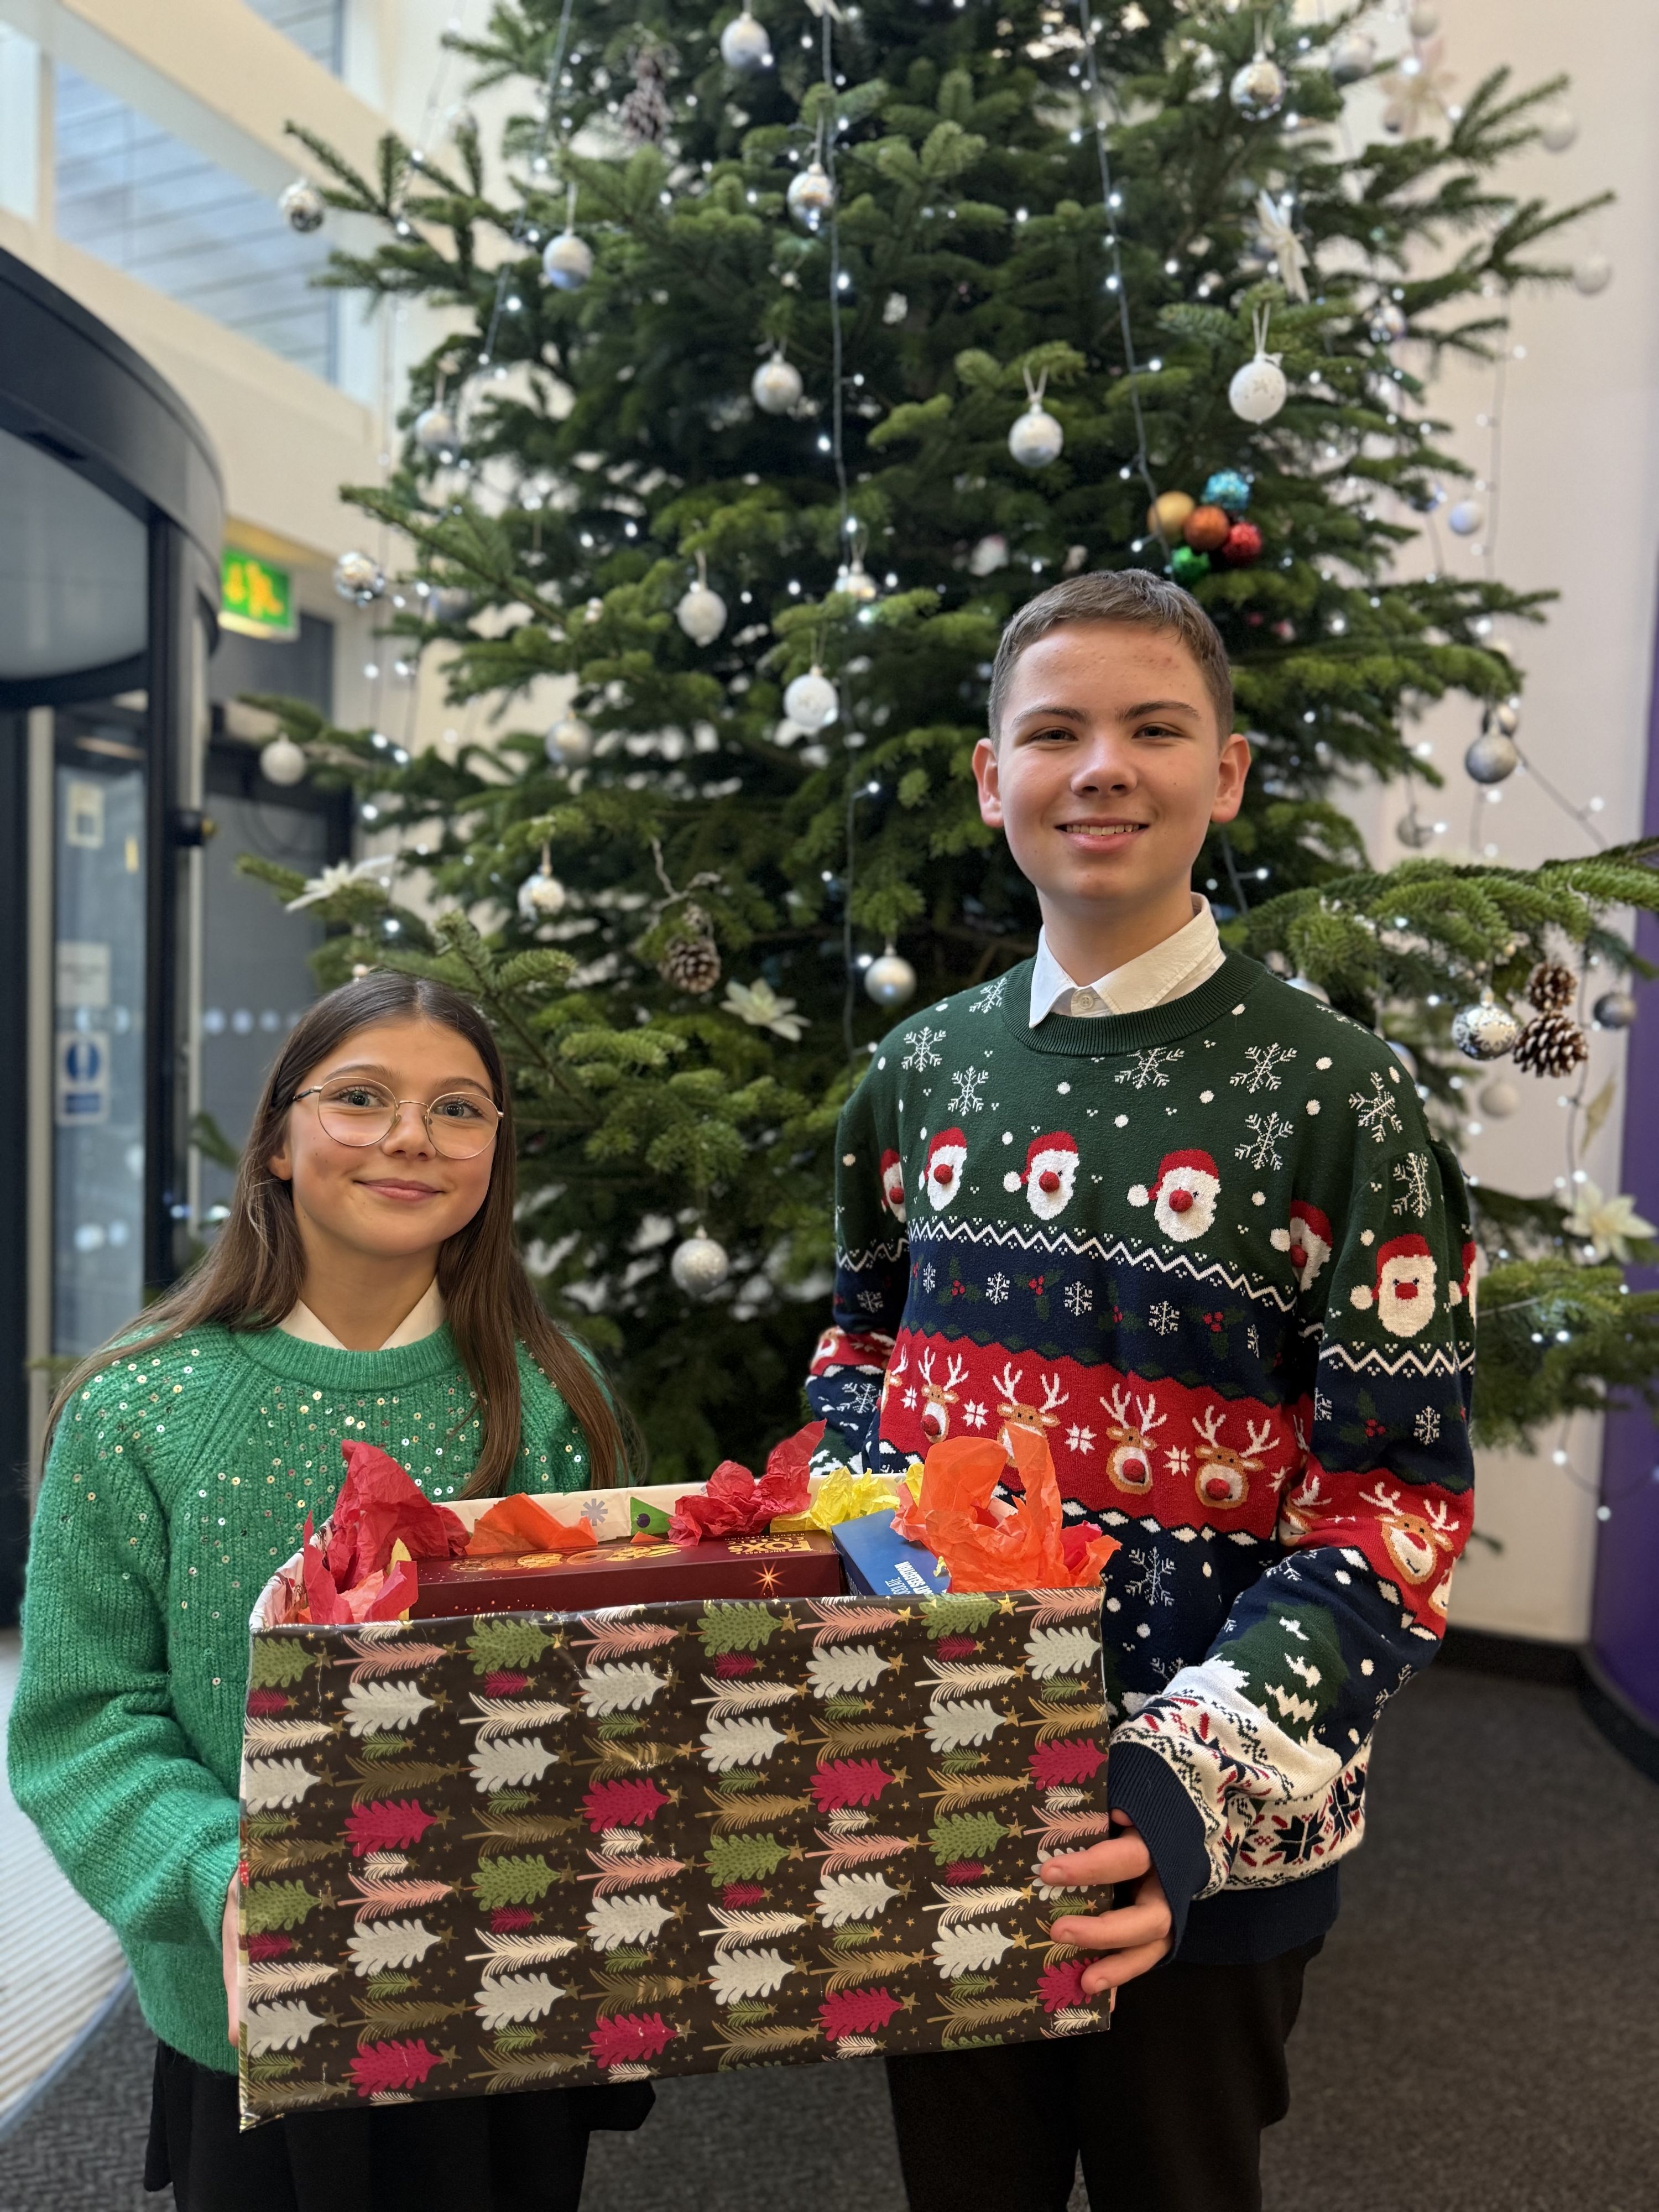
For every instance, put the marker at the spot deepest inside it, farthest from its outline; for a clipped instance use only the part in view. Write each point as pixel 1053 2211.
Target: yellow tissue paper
pixel 844 1496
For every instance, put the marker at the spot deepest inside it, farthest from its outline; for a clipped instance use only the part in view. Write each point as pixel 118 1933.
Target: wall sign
pixel 256 597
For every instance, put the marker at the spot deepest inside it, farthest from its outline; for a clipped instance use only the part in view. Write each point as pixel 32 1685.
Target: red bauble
pixel 1241 545
pixel 1207 528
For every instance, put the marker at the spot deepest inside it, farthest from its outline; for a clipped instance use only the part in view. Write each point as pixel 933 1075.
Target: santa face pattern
pixel 892 1183
pixel 946 1156
pixel 1198 1292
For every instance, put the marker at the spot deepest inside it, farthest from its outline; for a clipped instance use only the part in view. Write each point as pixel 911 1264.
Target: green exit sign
pixel 256 597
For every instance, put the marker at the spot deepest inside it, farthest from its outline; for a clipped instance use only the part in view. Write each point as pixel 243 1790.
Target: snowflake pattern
pixel 969 1081
pixel 1177 1458
pixel 1079 1299
pixel 1150 1065
pixel 1079 1438
pixel 1426 1428
pixel 929 1276
pixel 1265 1060
pixel 1155 1573
pixel 1376 1112
pixel 921 1055
pixel 997 1289
pixel 861 1397
pixel 1413 1174
pixel 1321 1406
pixel 1165 1318
pixel 973 1414
pixel 1253 1338
pixel 990 995
pixel 1261 1148
pixel 870 1301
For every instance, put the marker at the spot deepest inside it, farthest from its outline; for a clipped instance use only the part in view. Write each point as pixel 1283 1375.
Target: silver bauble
pixel 1558 130
pixel 1498 1098
pixel 1592 275
pixel 1413 832
pixel 1257 90
pixel 811 702
pixel 1310 989
pixel 1506 718
pixel 700 1266
pixel 1258 390
pixel 282 761
pixel 745 45
pixel 1491 757
pixel 1387 322
pixel 1466 518
pixel 301 206
pixel 776 386
pixel 541 897
pixel 854 579
pixel 890 980
pixel 812 194
pixel 1484 1030
pixel 569 742
pixel 701 615
pixel 1614 1010
pixel 436 432
pixel 1036 439
pixel 448 603
pixel 357 577
pixel 1350 54
pixel 567 261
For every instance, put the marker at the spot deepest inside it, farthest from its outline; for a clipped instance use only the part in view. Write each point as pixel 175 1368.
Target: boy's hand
pixel 229 1956
pixel 1137 1934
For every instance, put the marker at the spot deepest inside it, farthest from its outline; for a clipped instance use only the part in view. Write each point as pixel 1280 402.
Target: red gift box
pixel 801 1565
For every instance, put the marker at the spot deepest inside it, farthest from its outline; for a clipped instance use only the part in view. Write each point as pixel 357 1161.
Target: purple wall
pixel 1625 1618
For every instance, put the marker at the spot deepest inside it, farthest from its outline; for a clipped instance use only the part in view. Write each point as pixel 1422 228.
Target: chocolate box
pixel 807 1565
pixel 528 1850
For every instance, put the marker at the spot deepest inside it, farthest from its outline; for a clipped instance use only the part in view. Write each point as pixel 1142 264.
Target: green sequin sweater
pixel 176 1486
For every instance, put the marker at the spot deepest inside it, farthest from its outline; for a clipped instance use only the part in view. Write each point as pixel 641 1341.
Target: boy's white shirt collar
pixel 1188 958
pixel 421 1319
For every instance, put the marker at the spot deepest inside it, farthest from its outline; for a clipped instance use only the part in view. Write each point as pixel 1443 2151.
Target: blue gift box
pixel 880 1564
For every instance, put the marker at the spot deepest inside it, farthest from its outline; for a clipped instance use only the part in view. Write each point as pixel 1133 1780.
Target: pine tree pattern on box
pixel 626 1863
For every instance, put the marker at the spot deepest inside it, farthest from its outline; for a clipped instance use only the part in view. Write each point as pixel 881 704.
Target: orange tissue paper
pixel 518 1524
pixel 986 1545
pixel 733 1503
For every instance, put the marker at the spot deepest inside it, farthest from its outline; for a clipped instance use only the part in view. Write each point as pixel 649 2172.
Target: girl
pixel 367 1285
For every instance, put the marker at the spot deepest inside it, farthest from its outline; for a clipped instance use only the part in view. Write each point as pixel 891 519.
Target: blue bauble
pixel 1228 489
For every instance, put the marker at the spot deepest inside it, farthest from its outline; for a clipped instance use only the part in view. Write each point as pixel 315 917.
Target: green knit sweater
pixel 175 1487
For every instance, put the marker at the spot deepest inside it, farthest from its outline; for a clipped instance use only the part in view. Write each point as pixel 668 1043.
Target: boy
pixel 1188 1224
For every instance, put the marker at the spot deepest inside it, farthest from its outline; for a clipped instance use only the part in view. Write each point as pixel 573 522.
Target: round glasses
pixel 460 1126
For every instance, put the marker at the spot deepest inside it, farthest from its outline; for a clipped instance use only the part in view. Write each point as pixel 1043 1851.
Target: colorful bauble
pixel 1258 390
pixel 890 980
pixel 1468 516
pixel 541 896
pixel 1229 489
pixel 812 194
pixel 811 702
pixel 1350 55
pixel 745 45
pixel 1592 275
pixel 566 261
pixel 301 206
pixel 692 961
pixel 1551 1045
pixel 1168 514
pixel 1241 545
pixel 1187 567
pixel 1257 90
pixel 1491 757
pixel 1484 1030
pixel 1614 1010
pixel 1498 1098
pixel 282 761
pixel 1036 439
pixel 569 742
pixel 1550 988
pixel 1206 528
pixel 700 1266
pixel 436 432
pixel 701 614
pixel 357 577
pixel 776 386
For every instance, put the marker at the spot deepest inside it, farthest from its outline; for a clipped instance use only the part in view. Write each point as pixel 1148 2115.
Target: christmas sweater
pixel 177 1485
pixel 1211 1253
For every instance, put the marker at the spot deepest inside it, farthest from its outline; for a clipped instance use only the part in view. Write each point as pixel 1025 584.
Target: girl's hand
pixel 230 1958
pixel 1137 1934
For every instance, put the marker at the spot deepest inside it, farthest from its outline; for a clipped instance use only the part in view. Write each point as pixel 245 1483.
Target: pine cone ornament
pixel 1550 988
pixel 692 963
pixel 1552 1044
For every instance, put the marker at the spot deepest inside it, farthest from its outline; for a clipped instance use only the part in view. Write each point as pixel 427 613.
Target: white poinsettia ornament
pixel 760 1006
pixel 344 875
pixel 1610 1224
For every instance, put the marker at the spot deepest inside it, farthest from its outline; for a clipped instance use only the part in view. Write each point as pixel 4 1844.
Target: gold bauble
pixel 1168 512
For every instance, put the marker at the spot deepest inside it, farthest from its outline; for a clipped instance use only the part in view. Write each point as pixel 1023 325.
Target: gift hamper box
pixel 519 1849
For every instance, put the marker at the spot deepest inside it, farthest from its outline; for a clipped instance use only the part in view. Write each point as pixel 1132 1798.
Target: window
pixel 316 26
pixel 140 199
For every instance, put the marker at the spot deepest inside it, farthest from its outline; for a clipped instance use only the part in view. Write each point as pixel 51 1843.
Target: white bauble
pixel 1466 518
pixel 989 555
pixel 1258 390
pixel 812 194
pixel 1350 54
pixel 1506 718
pixel 569 742
pixel 357 577
pixel 1491 758
pixel 701 615
pixel 1424 21
pixel 1498 1098
pixel 890 980
pixel 567 261
pixel 700 1266
pixel 776 386
pixel 301 206
pixel 853 579
pixel 1592 275
pixel 541 897
pixel 1036 439
pixel 1558 130
pixel 437 433
pixel 282 761
pixel 811 702
pixel 745 45
pixel 1257 90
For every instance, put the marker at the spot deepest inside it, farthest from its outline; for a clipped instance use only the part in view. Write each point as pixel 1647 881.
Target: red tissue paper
pixel 733 1503
pixel 353 1575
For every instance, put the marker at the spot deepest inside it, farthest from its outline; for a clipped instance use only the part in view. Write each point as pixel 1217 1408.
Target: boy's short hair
pixel 1116 595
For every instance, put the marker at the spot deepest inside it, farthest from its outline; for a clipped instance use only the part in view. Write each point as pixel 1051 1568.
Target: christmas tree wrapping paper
pixel 530 1850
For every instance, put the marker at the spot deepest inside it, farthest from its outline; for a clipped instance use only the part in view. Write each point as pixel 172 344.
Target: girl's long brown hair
pixel 252 1276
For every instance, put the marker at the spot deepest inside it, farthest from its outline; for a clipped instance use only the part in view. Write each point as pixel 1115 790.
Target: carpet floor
pixel 1481 2034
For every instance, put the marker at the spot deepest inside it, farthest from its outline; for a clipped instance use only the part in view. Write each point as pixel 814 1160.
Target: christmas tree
pixel 786 353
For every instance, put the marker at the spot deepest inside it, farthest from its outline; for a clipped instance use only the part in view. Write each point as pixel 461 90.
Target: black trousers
pixel 525 2153
pixel 1165 2110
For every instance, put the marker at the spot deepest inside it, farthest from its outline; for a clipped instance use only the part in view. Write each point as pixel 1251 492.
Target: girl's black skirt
pixel 523 2152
